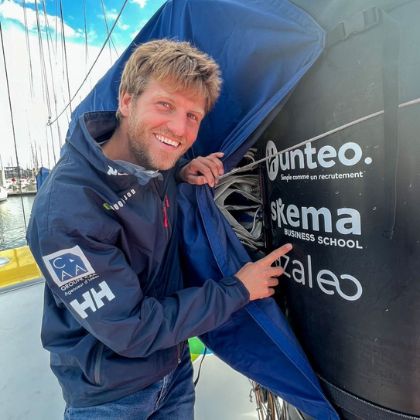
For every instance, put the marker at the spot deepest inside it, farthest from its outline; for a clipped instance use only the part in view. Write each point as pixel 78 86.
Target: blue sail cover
pixel 263 48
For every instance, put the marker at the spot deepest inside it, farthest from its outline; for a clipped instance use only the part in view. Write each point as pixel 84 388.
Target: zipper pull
pixel 165 211
pixel 165 217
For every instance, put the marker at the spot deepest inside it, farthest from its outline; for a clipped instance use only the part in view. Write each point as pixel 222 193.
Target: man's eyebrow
pixel 167 97
pixel 200 112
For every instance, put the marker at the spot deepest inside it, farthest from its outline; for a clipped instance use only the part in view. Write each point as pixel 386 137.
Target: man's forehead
pixel 172 88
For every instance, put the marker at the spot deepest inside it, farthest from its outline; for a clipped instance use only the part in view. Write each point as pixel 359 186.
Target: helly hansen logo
pixel 67 265
pixel 92 299
pixel 114 172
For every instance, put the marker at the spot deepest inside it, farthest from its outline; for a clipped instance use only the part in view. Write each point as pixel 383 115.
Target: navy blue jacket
pixel 116 312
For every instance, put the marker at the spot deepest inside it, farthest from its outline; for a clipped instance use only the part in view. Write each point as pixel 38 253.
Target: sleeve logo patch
pixel 67 265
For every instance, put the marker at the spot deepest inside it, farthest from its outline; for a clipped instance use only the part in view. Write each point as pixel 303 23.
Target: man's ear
pixel 124 104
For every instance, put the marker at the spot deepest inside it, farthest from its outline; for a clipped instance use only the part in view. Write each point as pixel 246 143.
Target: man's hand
pixel 260 277
pixel 203 170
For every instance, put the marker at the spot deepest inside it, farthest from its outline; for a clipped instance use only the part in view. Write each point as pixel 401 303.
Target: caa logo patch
pixel 67 265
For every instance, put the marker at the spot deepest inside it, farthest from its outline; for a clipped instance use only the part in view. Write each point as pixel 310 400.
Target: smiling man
pixel 104 232
pixel 157 127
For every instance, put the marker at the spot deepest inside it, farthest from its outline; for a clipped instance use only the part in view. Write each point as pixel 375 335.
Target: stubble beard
pixel 140 151
pixel 138 155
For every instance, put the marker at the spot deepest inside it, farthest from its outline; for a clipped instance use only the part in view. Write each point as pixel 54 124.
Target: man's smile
pixel 167 140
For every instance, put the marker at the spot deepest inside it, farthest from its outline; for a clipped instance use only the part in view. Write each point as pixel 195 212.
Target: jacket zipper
pixel 165 206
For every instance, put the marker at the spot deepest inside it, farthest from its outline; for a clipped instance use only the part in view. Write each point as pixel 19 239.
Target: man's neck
pixel 116 147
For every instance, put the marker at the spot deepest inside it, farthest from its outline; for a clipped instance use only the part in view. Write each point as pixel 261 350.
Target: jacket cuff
pixel 235 282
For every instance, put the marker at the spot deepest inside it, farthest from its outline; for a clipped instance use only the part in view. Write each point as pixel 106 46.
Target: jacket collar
pixel 92 129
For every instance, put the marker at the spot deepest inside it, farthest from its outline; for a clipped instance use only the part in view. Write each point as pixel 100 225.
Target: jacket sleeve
pixel 93 280
pixel 179 165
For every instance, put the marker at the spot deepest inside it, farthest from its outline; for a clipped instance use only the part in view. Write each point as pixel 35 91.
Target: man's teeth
pixel 167 141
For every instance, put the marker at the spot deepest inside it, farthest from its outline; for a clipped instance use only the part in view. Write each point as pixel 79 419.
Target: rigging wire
pixel 62 56
pixel 49 129
pixel 48 153
pixel 34 156
pixel 28 48
pixel 269 406
pixel 13 125
pixel 63 37
pixel 107 31
pixel 56 28
pixel 86 41
pixel 49 41
pixel 85 28
pixel 93 64
pixel 318 137
pixel 30 139
pixel 42 59
pixel 44 72
pixel 63 61
pixel 39 152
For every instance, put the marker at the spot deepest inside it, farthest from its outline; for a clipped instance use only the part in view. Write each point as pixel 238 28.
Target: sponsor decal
pixel 68 266
pixel 120 203
pixel 347 286
pixel 310 158
pixel 344 220
pixel 318 227
pixel 93 300
pixel 114 172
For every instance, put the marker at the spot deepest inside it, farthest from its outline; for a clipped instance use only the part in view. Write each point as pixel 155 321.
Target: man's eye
pixel 166 105
pixel 192 117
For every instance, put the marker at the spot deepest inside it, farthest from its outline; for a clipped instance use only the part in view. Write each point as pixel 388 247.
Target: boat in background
pixel 3 194
pixel 3 190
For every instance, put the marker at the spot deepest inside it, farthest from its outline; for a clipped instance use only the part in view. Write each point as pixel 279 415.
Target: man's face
pixel 161 124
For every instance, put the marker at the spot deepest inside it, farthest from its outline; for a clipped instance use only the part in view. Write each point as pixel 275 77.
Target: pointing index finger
pixel 217 154
pixel 276 254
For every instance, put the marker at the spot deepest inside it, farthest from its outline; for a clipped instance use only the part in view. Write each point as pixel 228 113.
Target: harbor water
pixel 14 217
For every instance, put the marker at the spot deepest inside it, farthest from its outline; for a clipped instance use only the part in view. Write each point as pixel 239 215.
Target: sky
pixel 36 66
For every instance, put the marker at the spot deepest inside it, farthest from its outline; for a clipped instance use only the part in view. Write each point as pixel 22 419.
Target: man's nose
pixel 178 125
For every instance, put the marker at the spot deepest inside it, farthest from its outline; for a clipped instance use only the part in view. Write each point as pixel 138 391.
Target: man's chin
pixel 164 165
pixel 155 164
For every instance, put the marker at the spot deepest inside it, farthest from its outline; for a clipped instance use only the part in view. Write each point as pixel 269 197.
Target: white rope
pixel 312 139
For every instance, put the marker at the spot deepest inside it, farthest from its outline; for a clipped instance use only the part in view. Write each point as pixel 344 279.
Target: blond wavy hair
pixel 183 65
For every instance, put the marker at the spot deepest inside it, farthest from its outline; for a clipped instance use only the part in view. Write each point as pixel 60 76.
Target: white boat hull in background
pixel 3 194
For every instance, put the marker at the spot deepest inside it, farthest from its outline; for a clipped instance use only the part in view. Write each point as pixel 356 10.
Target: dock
pixel 30 390
pixel 19 193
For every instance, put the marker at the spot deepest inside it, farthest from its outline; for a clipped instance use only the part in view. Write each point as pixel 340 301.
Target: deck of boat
pixel 29 391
